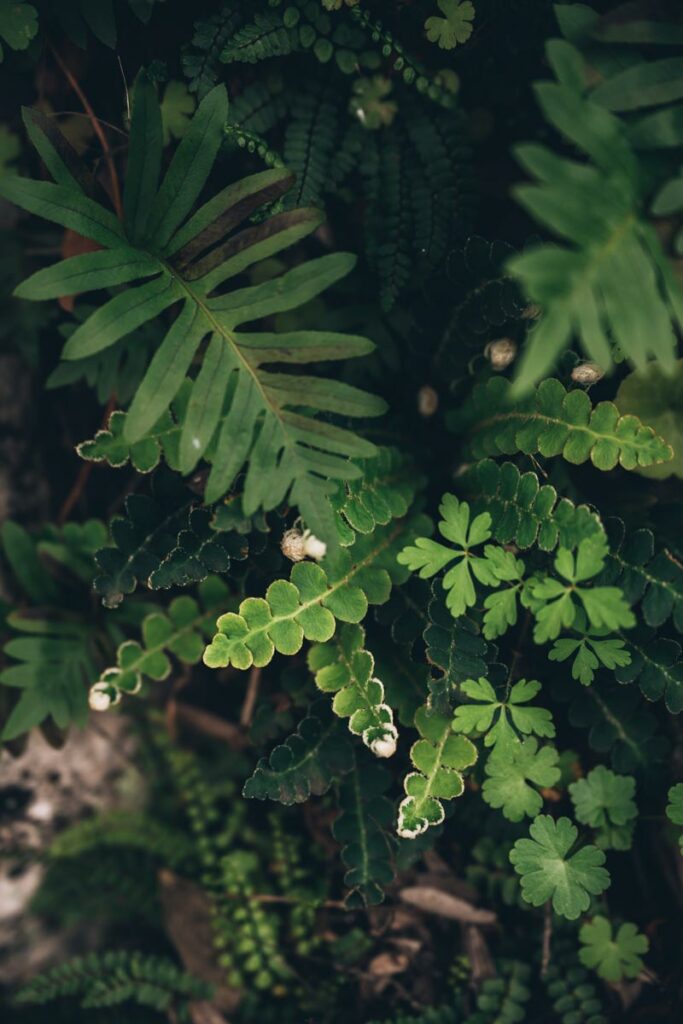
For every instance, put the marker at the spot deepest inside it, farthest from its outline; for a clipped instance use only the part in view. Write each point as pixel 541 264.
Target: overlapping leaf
pixel 509 774
pixel 270 424
pixel 558 604
pixel 308 762
pixel 605 801
pixel 525 512
pixel 502 722
pixel 612 956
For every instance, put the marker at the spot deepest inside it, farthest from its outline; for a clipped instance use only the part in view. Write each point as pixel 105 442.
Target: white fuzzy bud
pixel 313 547
pixel 587 373
pixel 384 746
pixel 101 698
pixel 501 353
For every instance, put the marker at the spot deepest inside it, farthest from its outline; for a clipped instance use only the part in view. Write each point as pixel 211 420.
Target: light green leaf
pixel 547 873
pixel 456 25
pixel 612 957
pixel 509 773
pixel 439 758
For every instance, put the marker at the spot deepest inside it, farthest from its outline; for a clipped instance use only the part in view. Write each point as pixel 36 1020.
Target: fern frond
pixel 525 512
pixel 201 64
pixel 54 661
pixel 366 813
pixel 260 39
pixel 613 283
pixel 123 829
pixel 308 762
pixel 113 978
pixel 392 247
pixel 200 549
pixel 657 666
pixel 455 650
pixel 162 539
pixel 261 105
pixel 385 491
pixel 552 421
pixel 308 605
pixel 646 575
pixel 343 667
pixel 311 140
pixel 439 758
pixel 289 451
pixel 181 632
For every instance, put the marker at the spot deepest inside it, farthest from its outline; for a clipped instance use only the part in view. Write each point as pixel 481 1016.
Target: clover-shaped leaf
pixel 456 25
pixel 509 774
pixel 558 604
pixel 613 958
pixel 589 652
pixel 502 721
pixel 547 873
pixel 428 556
pixel 604 797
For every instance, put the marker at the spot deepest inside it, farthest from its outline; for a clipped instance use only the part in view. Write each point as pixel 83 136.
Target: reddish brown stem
pixel 86 469
pixel 97 128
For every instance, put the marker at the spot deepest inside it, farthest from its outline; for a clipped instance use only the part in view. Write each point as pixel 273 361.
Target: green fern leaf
pixel 311 140
pixel 553 421
pixel 181 631
pixel 653 578
pixel 523 511
pixel 116 977
pixel 145 537
pixel 614 282
pixel 656 664
pixel 439 758
pixel 54 662
pixel 385 491
pixel 289 451
pixel 264 37
pixel 201 63
pixel 307 763
pixel 454 649
pixel 342 666
pixel 308 605
pixel 366 813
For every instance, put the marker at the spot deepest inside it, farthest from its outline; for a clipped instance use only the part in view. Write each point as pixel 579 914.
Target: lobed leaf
pixel 552 421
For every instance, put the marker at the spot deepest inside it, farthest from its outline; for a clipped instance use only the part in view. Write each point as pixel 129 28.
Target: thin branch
pixel 547 937
pixel 86 469
pixel 250 698
pixel 211 725
pixel 97 128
